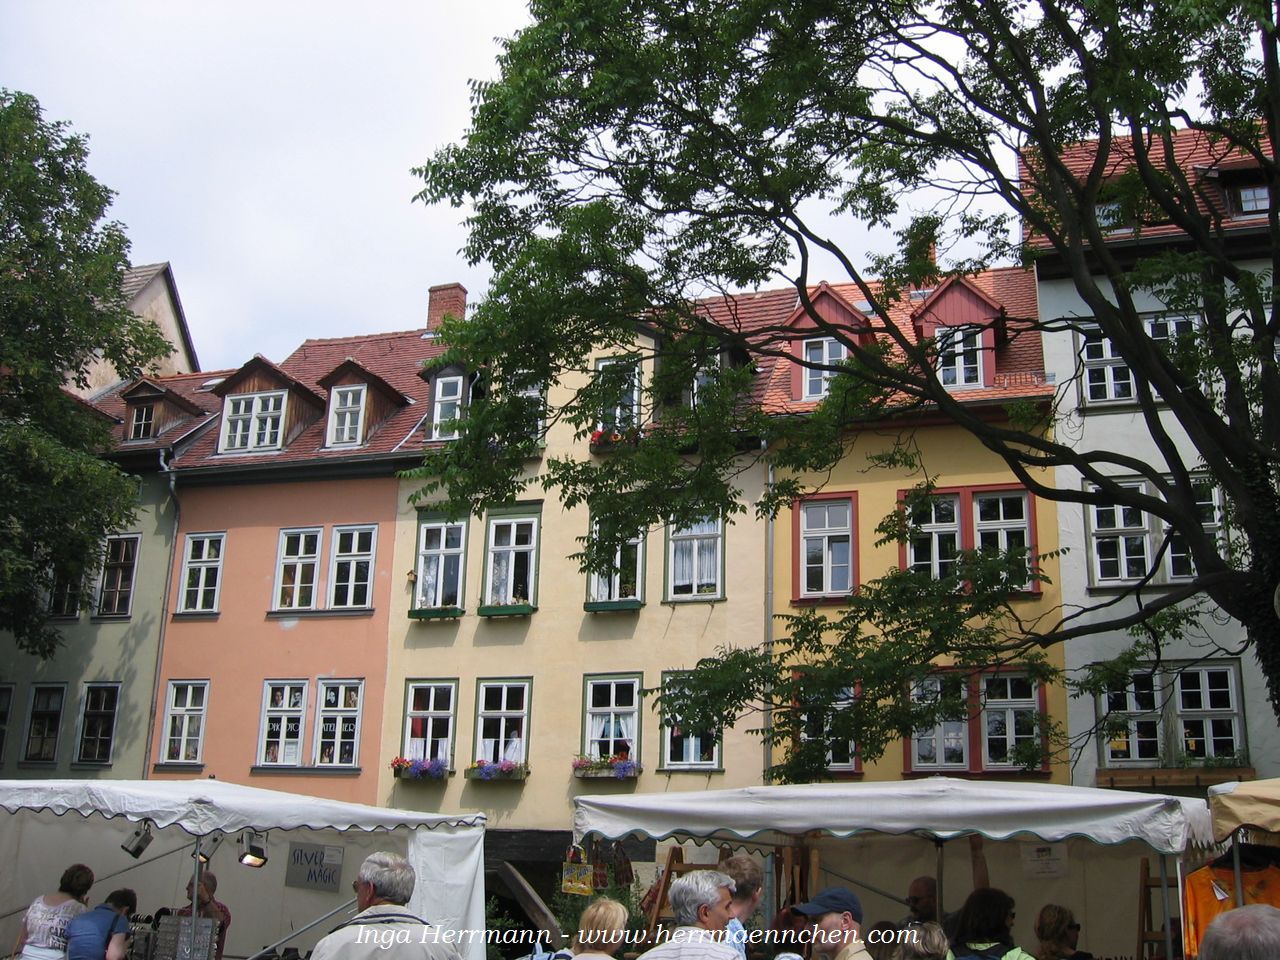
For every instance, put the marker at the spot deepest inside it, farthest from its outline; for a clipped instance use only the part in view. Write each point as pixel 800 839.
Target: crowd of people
pixel 61 925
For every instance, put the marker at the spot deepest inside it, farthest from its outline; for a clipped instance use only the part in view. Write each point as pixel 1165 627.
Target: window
pixel 820 353
pixel 959 356
pixel 115 596
pixel 253 421
pixel 625 581
pixel 704 375
pixel 935 543
pixel 338 723
pixel 346 419
pixel 184 721
pixel 842 755
pixel 1174 715
pixel 826 539
pixel 695 560
pixel 43 724
pixel 98 722
pixel 6 711
pixel 142 425
pixel 296 570
pixel 1001 524
pixel 1252 199
pixel 428 728
pixel 946 743
pixel 448 408
pixel 1209 509
pixel 1010 711
pixel 1124 540
pixel 620 378
pixel 284 705
pixel 352 573
pixel 513 560
pixel 612 718
pixel 535 401
pixel 1110 217
pixel 1006 707
pixel 502 721
pixel 201 573
pixel 1107 377
pixel 441 564
pixel 64 598
pixel 1120 542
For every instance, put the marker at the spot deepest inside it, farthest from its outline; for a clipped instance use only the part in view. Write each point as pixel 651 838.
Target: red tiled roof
pixel 188 387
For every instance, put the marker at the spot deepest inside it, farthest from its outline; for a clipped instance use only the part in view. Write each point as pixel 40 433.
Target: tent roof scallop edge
pixel 939 807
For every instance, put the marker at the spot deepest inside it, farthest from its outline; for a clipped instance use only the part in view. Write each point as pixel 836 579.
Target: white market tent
pixel 447 851
pixel 1254 804
pixel 938 807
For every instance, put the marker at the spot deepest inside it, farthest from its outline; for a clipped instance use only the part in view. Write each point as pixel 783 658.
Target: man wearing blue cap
pixel 837 921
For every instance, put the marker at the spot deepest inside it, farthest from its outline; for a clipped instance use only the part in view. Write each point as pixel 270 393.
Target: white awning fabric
pixel 936 807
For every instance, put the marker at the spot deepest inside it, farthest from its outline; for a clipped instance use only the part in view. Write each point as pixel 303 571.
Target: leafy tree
pixel 636 155
pixel 61 308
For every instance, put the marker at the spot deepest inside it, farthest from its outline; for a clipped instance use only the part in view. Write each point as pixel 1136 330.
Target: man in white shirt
pixel 701 903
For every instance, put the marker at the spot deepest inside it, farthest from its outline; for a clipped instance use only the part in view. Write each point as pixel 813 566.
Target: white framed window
pixel 820 353
pixel 695 560
pixel 502 721
pixel 842 755
pixel 296 569
pixel 535 399
pixel 6 716
pixel 935 542
pixel 142 424
pixel 442 564
pixel 959 356
pixel 626 580
pixel 946 743
pixel 119 567
pixel 448 408
pixel 513 560
pixel 1106 375
pixel 1121 543
pixel 1208 507
pixel 185 708
pixel 1252 199
pixel 346 415
pixel 43 723
pixel 826 540
pixel 612 718
pixel 1010 714
pixel 201 573
pixel 98 722
pixel 284 707
pixel 703 376
pixel 429 720
pixel 1002 523
pixel 1175 714
pixel 338 723
pixel 64 598
pixel 621 410
pixel 253 421
pixel 351 574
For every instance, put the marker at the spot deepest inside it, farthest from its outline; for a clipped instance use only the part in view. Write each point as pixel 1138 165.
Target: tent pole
pixel 1164 902
pixel 195 901
pixel 293 933
pixel 938 846
pixel 1235 866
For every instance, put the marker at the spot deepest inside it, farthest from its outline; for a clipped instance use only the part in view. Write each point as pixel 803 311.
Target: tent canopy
pixel 201 807
pixel 937 807
pixel 1255 803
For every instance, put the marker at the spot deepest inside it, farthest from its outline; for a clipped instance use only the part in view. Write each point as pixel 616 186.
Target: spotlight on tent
pixel 138 841
pixel 253 848
pixel 208 846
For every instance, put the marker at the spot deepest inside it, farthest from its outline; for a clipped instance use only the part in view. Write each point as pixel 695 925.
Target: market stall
pixel 311 849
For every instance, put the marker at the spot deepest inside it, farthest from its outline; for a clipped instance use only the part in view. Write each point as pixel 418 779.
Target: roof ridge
pixel 417 332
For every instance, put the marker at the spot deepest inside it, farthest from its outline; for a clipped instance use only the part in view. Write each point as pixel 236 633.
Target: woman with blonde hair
pixel 602 929
pixel 1059 933
pixel 925 941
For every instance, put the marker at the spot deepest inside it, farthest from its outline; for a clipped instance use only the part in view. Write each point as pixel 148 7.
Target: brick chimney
pixel 445 298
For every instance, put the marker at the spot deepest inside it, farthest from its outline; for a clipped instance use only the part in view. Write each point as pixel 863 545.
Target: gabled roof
pixel 259 363
pixel 136 280
pixel 361 372
pixel 184 390
pixel 154 387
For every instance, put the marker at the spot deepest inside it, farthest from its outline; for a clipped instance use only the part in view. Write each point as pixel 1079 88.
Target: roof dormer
pixel 264 408
pixel 967 326
pixel 820 340
pixel 359 401
pixel 152 408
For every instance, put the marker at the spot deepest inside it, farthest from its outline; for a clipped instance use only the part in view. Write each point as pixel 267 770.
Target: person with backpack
pixel 984 928
pixel 103 932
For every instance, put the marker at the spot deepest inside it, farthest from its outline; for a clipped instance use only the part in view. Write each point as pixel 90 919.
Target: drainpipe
pixel 165 468
pixel 768 609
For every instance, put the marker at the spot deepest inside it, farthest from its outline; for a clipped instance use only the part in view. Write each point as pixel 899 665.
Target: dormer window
pixel 1251 199
pixel 346 415
pixel 621 379
pixel 959 356
pixel 142 426
pixel 821 352
pixel 448 408
pixel 253 421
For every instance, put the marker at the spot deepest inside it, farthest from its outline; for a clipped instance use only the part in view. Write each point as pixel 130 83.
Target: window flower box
pixel 436 613
pixel 506 609
pixel 606 439
pixel 608 606
pixel 618 767
pixel 502 770
pixel 429 770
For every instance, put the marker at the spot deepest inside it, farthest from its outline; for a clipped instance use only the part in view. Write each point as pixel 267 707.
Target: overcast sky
pixel 264 149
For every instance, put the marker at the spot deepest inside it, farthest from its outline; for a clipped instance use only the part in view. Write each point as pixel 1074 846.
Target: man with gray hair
pixel 701 902
pixel 382 888
pixel 1246 933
